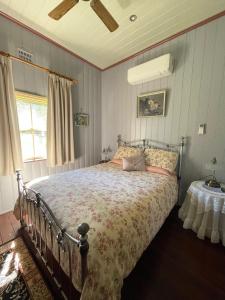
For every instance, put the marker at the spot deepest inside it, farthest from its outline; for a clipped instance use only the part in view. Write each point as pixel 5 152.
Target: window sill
pixel 34 160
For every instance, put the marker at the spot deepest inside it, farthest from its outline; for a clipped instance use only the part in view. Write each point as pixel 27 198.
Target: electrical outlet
pixel 24 55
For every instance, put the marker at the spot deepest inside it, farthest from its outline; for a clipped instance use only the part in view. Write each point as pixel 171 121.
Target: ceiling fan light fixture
pixel 133 18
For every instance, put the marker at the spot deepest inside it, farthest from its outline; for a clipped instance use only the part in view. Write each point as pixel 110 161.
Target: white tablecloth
pixel 203 211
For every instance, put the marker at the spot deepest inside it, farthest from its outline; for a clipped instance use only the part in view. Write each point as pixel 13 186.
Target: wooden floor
pixel 176 266
pixel 8 227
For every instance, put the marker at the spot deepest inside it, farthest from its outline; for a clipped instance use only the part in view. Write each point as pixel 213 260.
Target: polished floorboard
pixel 8 227
pixel 177 265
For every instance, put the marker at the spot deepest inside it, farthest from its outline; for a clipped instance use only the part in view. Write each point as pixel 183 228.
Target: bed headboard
pixel 148 143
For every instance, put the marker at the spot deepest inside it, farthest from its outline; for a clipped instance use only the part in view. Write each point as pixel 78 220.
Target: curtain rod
pixel 44 69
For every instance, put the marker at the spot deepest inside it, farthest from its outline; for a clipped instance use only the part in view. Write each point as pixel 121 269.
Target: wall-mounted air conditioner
pixel 156 68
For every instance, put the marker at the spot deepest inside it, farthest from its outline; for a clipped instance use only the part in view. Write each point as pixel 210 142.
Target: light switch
pixel 202 129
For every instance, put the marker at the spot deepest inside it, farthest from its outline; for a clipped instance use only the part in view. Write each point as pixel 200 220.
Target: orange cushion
pixel 117 161
pixel 159 170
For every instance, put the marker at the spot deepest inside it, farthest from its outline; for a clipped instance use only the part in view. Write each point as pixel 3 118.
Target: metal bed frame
pixel 34 212
pixel 149 143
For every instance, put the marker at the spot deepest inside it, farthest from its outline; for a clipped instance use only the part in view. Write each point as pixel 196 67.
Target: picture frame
pixel 81 119
pixel 151 104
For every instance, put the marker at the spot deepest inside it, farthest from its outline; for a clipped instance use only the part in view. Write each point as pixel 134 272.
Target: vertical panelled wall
pixel 195 95
pixel 86 96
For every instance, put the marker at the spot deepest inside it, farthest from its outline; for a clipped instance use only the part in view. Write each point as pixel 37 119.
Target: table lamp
pixel 106 152
pixel 213 166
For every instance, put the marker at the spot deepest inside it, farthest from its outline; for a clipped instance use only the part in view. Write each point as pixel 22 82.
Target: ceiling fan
pixel 59 11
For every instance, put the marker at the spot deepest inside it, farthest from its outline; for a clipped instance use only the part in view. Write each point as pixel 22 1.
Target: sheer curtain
pixel 10 146
pixel 60 140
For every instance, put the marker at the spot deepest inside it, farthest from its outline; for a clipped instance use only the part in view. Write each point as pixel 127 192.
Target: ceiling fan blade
pixel 62 9
pixel 104 15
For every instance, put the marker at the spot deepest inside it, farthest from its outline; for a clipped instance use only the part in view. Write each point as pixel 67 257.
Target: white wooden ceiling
pixel 82 32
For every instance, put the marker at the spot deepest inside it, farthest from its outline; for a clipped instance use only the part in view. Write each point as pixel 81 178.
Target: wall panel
pixel 196 94
pixel 86 96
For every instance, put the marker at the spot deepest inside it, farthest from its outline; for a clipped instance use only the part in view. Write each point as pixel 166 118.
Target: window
pixel 32 116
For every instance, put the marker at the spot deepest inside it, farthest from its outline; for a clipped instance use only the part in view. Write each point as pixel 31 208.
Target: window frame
pixel 31 99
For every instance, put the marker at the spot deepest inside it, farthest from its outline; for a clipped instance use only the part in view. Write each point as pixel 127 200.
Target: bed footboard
pixel 41 230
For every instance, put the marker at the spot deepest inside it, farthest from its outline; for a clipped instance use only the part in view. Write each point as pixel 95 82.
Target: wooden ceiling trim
pixel 199 24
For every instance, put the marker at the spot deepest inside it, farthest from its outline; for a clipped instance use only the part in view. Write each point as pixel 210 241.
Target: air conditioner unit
pixel 156 68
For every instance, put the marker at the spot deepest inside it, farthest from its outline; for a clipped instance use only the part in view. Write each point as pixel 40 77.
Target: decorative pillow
pixel 159 171
pixel 161 158
pixel 134 163
pixel 124 151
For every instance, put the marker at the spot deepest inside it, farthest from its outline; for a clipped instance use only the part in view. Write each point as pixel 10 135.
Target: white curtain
pixel 10 146
pixel 60 140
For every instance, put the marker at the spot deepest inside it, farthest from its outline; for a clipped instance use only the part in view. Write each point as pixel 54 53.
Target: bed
pixel 119 214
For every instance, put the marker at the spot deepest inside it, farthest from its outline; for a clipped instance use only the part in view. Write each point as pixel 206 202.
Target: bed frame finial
pixel 84 247
pixel 119 140
pixel 182 144
pixel 19 179
pixel 20 185
pixel 83 229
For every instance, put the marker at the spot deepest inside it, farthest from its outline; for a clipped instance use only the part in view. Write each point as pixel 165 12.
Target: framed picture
pixel 151 104
pixel 81 119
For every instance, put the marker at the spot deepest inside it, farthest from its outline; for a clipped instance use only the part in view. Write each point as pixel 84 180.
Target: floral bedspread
pixel 125 210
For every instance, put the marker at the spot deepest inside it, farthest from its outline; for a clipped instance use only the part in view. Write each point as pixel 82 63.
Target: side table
pixel 203 211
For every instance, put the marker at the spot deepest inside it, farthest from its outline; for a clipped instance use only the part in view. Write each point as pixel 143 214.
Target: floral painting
pixel 151 104
pixel 81 119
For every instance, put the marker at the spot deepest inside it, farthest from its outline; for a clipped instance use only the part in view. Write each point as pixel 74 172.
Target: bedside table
pixel 203 211
pixel 104 161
